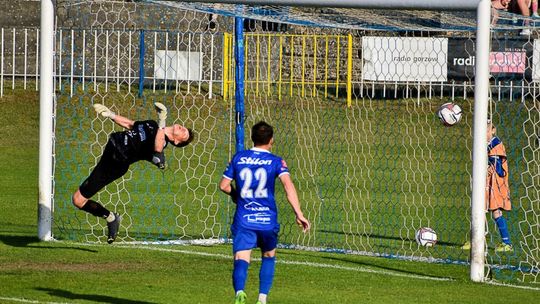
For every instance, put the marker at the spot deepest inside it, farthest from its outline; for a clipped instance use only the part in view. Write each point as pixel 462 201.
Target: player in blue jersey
pixel 143 140
pixel 255 221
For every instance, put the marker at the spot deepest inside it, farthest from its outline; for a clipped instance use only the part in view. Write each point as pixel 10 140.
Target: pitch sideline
pixel 281 261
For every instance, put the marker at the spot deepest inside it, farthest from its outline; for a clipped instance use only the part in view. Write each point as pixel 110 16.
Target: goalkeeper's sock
pixel 96 209
pixel 266 274
pixel 239 275
pixel 503 229
pixel 262 298
pixel 535 7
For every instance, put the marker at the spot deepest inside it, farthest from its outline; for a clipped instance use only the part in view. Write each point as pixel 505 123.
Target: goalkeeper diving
pixel 142 140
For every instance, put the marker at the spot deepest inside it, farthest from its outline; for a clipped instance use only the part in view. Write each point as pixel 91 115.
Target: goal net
pixel 352 95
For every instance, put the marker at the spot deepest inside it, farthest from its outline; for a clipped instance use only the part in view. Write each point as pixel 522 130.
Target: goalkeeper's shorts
pixel 106 171
pixel 246 239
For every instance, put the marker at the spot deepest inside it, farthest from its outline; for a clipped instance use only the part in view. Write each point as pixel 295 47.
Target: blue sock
pixel 266 275
pixel 239 275
pixel 503 229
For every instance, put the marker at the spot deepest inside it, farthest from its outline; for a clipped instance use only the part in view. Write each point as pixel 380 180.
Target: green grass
pixel 368 176
pixel 74 272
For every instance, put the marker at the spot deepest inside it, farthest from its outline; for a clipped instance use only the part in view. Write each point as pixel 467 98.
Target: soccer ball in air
pixel 449 114
pixel 426 237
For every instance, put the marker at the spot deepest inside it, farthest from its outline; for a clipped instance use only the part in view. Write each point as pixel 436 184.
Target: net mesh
pixel 355 123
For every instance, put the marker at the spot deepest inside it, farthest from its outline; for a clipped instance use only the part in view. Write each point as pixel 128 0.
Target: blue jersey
pixel 255 172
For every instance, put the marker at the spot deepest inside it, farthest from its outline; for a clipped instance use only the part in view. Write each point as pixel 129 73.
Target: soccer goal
pixel 351 88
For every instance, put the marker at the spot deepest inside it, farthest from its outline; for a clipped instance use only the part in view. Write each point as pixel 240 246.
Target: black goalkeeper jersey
pixel 135 144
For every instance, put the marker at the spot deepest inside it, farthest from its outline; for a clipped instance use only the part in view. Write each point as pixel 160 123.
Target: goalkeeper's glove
pixel 104 111
pixel 162 114
pixel 158 159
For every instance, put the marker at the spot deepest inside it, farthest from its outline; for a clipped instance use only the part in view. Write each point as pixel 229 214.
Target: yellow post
pixel 280 65
pixel 257 64
pixel 232 83
pixel 246 63
pixel 225 84
pixel 314 92
pixel 291 67
pixel 303 64
pixel 326 69
pixel 268 74
pixel 349 70
pixel 337 66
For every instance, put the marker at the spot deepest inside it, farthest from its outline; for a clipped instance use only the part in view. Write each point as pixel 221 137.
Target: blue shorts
pixel 247 239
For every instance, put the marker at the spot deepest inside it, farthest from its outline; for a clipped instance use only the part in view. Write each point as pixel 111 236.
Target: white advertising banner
pixel 179 65
pixel 404 59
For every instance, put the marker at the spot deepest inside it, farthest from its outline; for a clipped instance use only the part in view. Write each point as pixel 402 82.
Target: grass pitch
pixel 69 272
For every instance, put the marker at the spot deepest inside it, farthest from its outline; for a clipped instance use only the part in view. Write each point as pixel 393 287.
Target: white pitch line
pixel 282 261
pixel 513 286
pixel 367 270
pixel 23 300
pixel 311 264
pixel 302 263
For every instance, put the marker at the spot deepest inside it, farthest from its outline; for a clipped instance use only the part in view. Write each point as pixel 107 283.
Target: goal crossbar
pixel 367 4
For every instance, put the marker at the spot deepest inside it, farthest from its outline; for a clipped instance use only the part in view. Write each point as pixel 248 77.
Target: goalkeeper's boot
pixel 504 248
pixel 535 15
pixel 466 246
pixel 240 298
pixel 113 228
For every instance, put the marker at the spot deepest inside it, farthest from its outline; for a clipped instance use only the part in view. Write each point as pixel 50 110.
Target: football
pixel 426 237
pixel 449 114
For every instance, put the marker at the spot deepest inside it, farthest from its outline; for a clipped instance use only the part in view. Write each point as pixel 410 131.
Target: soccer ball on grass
pixel 449 114
pixel 426 236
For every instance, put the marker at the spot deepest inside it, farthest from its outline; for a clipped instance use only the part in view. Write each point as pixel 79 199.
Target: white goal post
pixel 46 102
pixel 483 8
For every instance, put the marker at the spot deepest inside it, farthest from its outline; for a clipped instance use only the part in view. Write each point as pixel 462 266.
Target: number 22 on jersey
pixel 247 176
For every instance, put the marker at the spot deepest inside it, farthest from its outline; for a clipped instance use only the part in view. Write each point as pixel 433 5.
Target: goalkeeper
pixel 143 140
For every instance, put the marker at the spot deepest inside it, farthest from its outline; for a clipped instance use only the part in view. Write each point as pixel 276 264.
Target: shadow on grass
pixel 385 237
pixel 18 240
pixel 383 265
pixel 89 297
pixel 386 264
pixel 26 241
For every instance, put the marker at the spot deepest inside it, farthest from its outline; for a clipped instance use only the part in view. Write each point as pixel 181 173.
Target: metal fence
pixel 146 58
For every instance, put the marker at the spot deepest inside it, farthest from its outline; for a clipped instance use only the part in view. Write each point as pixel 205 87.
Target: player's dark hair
pixel 261 133
pixel 185 143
